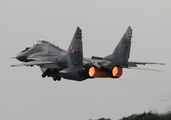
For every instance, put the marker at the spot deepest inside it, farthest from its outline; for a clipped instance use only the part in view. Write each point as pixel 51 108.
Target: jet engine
pixel 107 71
pixel 115 72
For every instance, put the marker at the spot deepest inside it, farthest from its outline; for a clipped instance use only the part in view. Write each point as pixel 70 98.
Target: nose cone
pixel 21 57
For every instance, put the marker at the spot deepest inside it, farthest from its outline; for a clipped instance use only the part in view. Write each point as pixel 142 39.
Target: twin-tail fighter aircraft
pixel 57 63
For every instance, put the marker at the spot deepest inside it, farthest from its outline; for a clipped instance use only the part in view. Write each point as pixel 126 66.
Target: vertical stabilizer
pixel 121 53
pixel 75 53
pixel 74 58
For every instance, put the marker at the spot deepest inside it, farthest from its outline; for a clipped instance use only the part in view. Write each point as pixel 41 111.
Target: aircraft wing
pixel 32 63
pixel 134 64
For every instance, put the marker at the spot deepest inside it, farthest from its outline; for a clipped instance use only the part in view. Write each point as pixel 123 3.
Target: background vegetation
pixel 144 116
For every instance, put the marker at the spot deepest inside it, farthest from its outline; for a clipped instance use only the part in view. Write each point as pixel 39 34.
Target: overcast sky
pixel 25 95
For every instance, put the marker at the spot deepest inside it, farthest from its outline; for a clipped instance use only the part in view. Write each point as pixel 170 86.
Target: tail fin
pixel 74 58
pixel 75 53
pixel 121 53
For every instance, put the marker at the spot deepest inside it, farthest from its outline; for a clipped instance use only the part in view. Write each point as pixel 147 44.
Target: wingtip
pixel 162 64
pixel 12 57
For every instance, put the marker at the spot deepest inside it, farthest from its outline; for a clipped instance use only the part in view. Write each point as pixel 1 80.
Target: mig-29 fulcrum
pixel 58 63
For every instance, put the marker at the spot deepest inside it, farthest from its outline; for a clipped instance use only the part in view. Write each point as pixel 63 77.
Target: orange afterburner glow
pixel 97 72
pixel 117 71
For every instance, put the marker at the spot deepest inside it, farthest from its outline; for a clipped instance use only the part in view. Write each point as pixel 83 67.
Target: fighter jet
pixel 58 63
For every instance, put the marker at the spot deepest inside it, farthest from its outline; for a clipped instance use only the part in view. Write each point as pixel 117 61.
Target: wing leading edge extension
pixel 32 63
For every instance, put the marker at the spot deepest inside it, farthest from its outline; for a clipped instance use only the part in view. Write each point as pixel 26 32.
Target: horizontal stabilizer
pixel 145 69
pixel 134 64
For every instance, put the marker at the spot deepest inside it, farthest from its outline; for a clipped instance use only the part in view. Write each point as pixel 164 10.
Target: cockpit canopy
pixel 40 42
pixel 27 48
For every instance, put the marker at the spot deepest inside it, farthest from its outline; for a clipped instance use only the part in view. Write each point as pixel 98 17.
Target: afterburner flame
pixel 96 72
pixel 117 71
pixel 91 71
